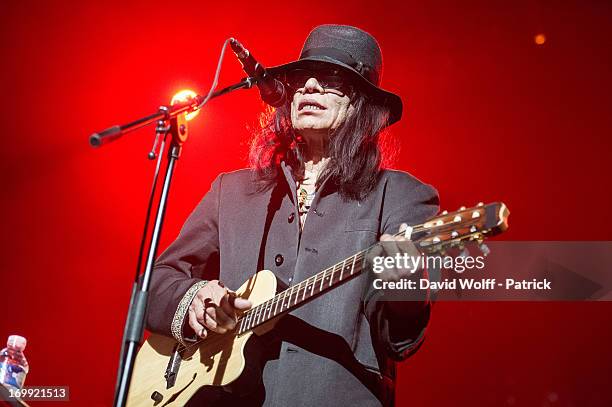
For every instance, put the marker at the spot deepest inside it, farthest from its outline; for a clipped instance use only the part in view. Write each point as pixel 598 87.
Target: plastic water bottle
pixel 13 364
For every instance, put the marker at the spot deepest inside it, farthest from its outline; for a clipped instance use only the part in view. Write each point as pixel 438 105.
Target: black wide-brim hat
pixel 353 50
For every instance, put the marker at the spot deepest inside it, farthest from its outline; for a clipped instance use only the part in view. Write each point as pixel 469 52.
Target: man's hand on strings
pixel 215 308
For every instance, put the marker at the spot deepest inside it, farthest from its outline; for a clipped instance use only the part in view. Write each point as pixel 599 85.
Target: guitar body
pixel 218 360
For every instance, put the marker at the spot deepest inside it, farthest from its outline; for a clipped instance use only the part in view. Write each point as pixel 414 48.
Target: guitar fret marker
pixel 297 293
pixel 268 304
pixel 331 278
pixel 287 305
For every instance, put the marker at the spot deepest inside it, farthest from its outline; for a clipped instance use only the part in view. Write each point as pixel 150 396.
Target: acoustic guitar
pixel 168 373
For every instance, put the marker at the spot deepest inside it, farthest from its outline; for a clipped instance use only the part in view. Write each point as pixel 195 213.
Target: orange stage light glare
pixel 183 96
pixel 539 39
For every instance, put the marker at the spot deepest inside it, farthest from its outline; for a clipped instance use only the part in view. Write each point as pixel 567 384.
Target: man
pixel 315 195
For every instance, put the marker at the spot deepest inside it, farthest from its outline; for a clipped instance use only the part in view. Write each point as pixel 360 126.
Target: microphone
pixel 272 90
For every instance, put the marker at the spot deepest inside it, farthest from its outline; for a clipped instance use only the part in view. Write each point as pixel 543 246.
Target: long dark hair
pixel 354 149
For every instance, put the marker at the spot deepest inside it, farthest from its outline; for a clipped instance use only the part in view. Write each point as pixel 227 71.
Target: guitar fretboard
pixel 433 236
pixel 298 294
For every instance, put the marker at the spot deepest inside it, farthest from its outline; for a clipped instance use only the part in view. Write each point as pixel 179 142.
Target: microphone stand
pixel 164 113
pixel 170 121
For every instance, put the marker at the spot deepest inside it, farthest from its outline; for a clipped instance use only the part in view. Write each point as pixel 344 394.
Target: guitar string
pixel 277 298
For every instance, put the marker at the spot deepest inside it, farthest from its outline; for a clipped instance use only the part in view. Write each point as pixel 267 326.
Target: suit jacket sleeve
pixel 180 270
pixel 401 335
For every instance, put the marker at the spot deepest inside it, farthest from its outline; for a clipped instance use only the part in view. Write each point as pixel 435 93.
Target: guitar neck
pixel 436 235
pixel 299 294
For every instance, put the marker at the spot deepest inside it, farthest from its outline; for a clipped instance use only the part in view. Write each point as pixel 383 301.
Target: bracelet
pixel 181 311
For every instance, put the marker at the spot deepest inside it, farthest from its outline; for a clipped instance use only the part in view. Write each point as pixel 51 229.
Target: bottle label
pixel 12 375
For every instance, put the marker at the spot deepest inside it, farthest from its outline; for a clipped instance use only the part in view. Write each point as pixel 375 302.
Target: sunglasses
pixel 327 78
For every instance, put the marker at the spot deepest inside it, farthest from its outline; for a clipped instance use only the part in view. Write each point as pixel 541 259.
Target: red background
pixel 489 115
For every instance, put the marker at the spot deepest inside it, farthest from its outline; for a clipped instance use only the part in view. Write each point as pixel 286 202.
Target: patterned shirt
pixel 305 196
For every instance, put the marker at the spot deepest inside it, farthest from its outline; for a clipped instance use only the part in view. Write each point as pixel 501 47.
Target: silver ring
pixel 202 331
